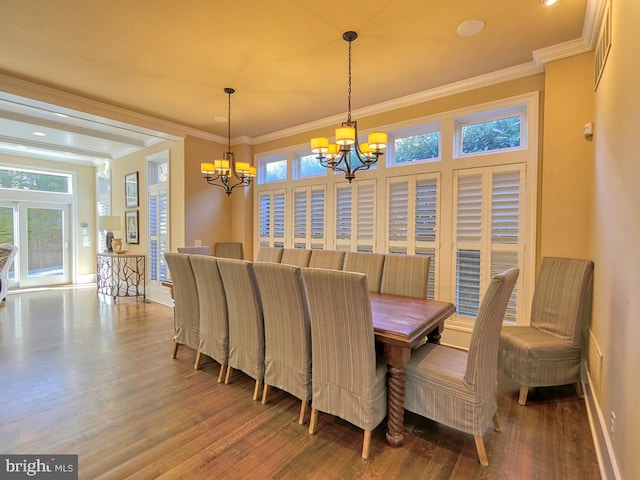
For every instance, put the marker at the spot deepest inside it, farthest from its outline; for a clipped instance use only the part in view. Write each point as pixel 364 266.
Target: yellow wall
pixel 207 208
pixel 615 233
pixel 137 163
pixel 210 216
pixel 567 159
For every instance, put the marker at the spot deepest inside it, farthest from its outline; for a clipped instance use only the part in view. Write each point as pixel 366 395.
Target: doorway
pixel 42 233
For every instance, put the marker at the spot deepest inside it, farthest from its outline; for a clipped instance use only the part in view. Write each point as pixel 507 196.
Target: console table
pixel 121 275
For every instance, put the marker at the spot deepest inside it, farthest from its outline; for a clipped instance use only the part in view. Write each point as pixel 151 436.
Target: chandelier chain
pixel 229 122
pixel 349 97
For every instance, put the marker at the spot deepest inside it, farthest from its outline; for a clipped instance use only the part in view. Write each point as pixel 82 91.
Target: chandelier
pixel 347 155
pixel 227 173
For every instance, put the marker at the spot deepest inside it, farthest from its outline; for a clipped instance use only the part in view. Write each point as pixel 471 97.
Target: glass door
pixel 44 230
pixel 7 235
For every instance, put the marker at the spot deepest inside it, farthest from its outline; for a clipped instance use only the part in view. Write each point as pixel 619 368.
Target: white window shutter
pixel 318 217
pixel 343 217
pixel 265 219
pixel 365 217
pixel 300 217
pixel 278 219
pixel 398 213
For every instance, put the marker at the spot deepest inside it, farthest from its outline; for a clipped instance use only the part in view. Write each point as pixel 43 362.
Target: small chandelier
pixel 221 173
pixel 347 155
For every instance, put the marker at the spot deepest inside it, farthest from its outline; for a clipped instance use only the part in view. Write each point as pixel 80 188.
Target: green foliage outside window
pixel 6 225
pixel 417 147
pixel 493 135
pixel 41 182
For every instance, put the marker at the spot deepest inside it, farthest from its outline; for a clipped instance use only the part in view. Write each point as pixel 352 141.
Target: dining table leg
pixel 397 358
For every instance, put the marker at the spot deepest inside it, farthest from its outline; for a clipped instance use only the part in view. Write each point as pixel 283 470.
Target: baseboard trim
pixel 604 449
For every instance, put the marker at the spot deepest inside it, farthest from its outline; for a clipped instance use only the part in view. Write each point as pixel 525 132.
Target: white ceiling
pixel 164 64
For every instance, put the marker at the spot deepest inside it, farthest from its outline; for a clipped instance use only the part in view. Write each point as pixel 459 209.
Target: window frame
pixel 413 131
pixel 490 116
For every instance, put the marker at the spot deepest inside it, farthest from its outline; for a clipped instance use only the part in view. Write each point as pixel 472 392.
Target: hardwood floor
pixel 82 375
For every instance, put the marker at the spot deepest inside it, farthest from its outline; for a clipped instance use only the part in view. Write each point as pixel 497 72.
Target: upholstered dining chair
pixel 287 332
pixel 203 250
pixel 246 324
pixel 229 250
pixel 548 351
pixel 186 310
pixel 330 259
pixel 405 275
pixel 7 254
pixel 296 256
pixel 347 379
pixel 458 388
pixel 371 264
pixel 269 254
pixel 214 323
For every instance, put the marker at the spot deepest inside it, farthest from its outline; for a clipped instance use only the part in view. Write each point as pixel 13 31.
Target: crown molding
pixel 87 108
pixel 485 80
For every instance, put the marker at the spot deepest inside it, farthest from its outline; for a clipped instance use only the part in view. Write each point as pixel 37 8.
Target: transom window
pixel 309 166
pixel 273 169
pixel 410 146
pixel 17 179
pixel 491 131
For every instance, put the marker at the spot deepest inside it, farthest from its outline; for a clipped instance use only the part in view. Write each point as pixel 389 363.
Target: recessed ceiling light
pixel 40 134
pixel 470 27
pixel 548 3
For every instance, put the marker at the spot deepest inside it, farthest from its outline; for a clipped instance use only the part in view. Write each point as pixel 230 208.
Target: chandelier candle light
pixel 221 173
pixel 347 155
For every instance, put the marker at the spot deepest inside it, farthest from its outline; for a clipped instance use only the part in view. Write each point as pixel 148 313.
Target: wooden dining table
pixel 401 323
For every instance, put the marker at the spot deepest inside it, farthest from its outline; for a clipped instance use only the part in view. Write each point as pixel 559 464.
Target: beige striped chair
pixel 330 259
pixel 548 352
pixel 246 324
pixel 405 275
pixel 214 324
pixel 287 333
pixel 204 250
pixel 269 254
pixel 229 250
pixel 348 380
pixel 186 310
pixel 296 256
pixel 458 388
pixel 371 264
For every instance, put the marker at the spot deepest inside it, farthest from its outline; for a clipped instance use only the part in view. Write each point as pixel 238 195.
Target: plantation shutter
pixel 506 209
pixel 278 219
pixel 317 217
pixel 265 219
pixel 398 222
pixel 343 217
pixel 300 218
pixel 426 221
pixel 468 247
pixel 365 217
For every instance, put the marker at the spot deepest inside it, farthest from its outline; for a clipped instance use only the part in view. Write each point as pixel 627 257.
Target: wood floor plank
pixel 83 375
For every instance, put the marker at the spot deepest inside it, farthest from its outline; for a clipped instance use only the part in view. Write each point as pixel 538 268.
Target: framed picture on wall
pixel 131 220
pixel 131 190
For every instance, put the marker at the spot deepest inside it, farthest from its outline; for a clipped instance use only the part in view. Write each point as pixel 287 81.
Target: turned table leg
pixel 397 358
